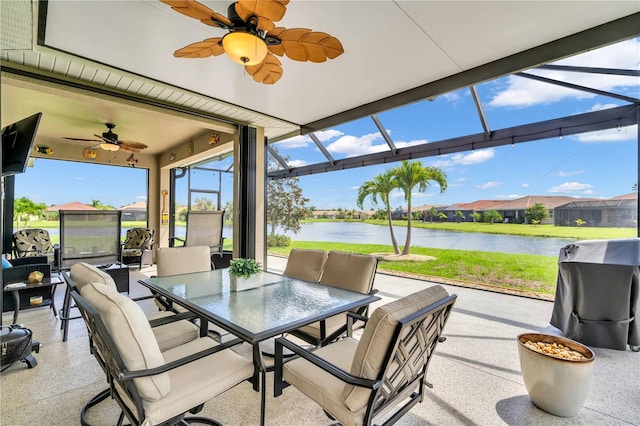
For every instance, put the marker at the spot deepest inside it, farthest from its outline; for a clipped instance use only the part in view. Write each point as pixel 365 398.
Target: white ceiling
pixel 390 47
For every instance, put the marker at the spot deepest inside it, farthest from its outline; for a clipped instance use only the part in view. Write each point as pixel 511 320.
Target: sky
pixel 592 165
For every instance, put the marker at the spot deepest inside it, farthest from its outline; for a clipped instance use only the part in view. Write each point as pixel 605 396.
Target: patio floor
pixel 475 373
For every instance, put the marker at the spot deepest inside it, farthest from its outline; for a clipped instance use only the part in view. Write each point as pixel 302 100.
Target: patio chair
pixel 354 272
pixel 204 228
pixel 170 330
pixel 305 264
pixel 91 236
pixel 137 247
pixel 357 382
pixel 33 242
pixel 153 387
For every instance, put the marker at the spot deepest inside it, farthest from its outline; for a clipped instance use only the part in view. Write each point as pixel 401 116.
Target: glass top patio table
pixel 281 304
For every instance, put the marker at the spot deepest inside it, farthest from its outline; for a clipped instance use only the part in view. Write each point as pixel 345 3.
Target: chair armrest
pixel 321 363
pixel 173 318
pixel 129 375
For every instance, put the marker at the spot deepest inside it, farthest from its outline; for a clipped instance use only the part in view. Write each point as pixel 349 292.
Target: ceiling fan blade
pixel 268 71
pixel 201 49
pixel 303 44
pixel 198 11
pixel 267 11
pixel 127 148
pixel 82 139
pixel 132 145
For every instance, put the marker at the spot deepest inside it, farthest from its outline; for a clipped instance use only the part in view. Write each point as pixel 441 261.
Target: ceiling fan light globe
pixel 109 146
pixel 244 48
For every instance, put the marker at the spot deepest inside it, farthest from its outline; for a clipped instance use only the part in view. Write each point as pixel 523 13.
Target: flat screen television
pixel 17 142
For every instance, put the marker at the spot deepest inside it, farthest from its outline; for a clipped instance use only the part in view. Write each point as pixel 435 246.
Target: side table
pixel 120 274
pixel 22 292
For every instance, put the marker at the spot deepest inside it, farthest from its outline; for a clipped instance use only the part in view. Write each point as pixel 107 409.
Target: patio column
pixel 249 200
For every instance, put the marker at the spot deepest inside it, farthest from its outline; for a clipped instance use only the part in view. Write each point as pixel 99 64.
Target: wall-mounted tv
pixel 17 142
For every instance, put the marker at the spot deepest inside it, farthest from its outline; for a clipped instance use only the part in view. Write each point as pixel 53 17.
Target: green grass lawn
pixel 579 233
pixel 522 272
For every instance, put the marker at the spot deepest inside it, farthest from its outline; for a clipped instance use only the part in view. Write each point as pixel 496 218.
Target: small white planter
pixel 555 385
pixel 241 284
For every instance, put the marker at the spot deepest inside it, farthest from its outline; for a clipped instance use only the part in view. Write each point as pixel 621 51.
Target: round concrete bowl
pixel 555 385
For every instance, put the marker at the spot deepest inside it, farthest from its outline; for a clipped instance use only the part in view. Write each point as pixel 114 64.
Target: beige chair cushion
pixel 305 264
pixel 332 324
pixel 130 330
pixel 376 338
pixel 197 382
pixel 82 273
pixel 182 260
pixel 174 333
pixel 321 386
pixel 349 271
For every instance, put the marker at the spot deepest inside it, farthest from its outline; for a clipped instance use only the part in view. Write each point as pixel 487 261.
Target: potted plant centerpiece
pixel 242 274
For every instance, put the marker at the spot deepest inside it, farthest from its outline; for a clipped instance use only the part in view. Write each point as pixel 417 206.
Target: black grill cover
pixel 598 293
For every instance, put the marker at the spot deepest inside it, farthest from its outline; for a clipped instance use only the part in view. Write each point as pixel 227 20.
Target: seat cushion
pixel 198 382
pixel 376 338
pixel 322 387
pixel 305 264
pixel 349 271
pixel 82 273
pixel 332 324
pixel 175 333
pixel 182 260
pixel 131 333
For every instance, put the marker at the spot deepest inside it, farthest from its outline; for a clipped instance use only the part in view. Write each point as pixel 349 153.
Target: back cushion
pixel 305 264
pixel 349 271
pixel 132 335
pixel 82 274
pixel 183 260
pixel 376 338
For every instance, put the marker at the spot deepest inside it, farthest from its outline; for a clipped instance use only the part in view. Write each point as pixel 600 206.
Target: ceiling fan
pixel 253 39
pixel 109 141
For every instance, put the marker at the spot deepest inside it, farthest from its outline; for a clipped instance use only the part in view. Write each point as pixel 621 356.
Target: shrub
pixel 278 241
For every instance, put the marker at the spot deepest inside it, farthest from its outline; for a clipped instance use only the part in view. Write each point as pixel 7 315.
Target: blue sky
pixel 600 164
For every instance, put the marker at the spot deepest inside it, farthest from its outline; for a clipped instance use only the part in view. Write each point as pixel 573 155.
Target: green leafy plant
pixel 244 268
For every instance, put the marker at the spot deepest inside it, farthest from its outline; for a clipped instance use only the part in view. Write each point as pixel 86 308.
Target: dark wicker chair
pixel 138 247
pixel 33 242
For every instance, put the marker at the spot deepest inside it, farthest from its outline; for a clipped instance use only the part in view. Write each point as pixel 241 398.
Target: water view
pixel 363 233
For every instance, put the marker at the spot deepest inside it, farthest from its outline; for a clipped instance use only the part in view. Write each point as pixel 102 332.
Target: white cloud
pixel 141 197
pixel 474 157
pixel 609 135
pixel 508 196
pixel 304 141
pixel 297 163
pixel 525 185
pixel 572 187
pixel 352 146
pixel 451 97
pixel 521 92
pixel 490 184
pixel 564 174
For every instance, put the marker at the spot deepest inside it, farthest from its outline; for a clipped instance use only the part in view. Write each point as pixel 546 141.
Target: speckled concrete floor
pixel 475 373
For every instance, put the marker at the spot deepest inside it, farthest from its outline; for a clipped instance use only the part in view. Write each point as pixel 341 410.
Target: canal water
pixel 364 233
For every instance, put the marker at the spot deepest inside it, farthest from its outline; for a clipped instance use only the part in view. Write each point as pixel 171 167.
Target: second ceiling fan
pixel 109 141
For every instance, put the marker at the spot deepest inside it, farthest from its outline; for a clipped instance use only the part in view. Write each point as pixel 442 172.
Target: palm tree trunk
pixel 396 250
pixel 407 242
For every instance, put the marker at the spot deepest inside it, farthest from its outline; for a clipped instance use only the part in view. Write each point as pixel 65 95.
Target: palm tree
pixel 412 174
pixel 381 186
